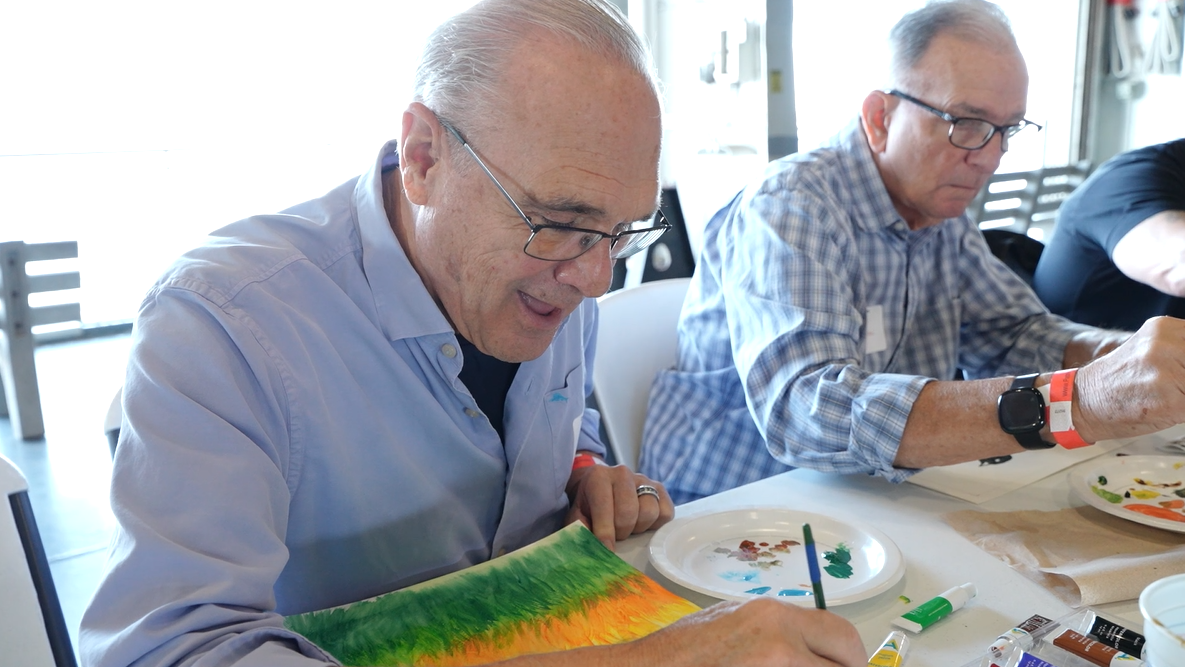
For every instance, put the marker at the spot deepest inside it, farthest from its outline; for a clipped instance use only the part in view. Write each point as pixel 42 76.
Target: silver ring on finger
pixel 647 490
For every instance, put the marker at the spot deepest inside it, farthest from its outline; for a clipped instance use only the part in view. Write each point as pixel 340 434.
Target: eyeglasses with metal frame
pixel 969 133
pixel 556 242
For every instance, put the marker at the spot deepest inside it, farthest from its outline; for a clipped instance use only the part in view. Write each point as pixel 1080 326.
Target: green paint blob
pixel 839 562
pixel 904 599
pixel 1106 495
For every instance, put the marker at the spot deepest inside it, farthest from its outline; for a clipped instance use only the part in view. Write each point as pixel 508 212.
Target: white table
pixel 936 556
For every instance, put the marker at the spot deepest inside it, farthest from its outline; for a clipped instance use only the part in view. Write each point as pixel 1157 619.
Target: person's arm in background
pixel 1153 252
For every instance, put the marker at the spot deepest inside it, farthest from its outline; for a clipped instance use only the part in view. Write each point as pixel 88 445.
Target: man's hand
pixel 1137 388
pixel 756 633
pixel 605 498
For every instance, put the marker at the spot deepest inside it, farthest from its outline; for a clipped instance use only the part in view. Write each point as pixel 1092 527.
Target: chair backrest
pixel 1015 201
pixel 1019 251
pixel 637 338
pixel 18 372
pixel 32 629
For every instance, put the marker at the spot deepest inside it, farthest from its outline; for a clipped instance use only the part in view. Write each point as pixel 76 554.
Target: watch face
pixel 1021 411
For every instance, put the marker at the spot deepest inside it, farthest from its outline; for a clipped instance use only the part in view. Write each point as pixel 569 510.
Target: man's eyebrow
pixel 972 111
pixel 564 205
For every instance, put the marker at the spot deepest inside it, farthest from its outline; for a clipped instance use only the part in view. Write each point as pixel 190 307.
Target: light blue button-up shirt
pixel 813 321
pixel 296 437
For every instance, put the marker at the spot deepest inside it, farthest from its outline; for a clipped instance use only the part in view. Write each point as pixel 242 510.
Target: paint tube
pixel 1116 636
pixel 1023 635
pixel 1094 651
pixel 891 652
pixel 1026 659
pixel 931 611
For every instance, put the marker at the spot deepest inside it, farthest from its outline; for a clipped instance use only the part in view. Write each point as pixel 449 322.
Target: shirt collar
pixel 876 209
pixel 405 309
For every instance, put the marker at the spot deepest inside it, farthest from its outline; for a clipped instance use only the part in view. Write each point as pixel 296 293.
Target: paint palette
pixel 757 552
pixel 1145 489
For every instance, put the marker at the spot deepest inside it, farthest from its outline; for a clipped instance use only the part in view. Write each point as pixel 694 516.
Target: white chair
pixel 637 338
pixel 32 629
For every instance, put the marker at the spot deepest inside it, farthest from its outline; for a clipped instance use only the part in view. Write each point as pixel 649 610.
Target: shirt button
pixel 472 413
pixel 448 350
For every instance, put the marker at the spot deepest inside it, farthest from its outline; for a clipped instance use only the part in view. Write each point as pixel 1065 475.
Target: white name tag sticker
pixel 874 330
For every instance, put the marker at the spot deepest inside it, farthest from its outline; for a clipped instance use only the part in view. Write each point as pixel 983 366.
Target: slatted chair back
pixel 1055 186
pixel 20 398
pixel 1015 201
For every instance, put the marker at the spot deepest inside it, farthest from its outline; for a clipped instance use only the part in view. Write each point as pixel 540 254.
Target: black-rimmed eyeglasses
pixel 560 243
pixel 970 133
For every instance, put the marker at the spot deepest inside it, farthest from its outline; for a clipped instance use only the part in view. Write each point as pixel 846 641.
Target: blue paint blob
pixel 760 590
pixel 742 575
pixel 793 592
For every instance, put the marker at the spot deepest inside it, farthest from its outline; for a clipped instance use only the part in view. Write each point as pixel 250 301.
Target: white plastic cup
pixel 1162 604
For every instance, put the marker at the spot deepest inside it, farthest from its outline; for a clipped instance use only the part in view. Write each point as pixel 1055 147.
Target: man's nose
pixel 591 273
pixel 988 157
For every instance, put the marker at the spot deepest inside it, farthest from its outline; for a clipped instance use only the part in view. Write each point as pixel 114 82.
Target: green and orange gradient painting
pixel 563 592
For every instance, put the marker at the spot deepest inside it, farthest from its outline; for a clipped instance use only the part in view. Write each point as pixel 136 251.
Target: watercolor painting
pixel 565 591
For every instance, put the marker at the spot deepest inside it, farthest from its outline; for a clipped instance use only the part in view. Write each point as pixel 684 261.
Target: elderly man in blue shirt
pixel 838 295
pixel 388 383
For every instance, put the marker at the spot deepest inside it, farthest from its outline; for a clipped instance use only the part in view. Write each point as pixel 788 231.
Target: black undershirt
pixel 488 379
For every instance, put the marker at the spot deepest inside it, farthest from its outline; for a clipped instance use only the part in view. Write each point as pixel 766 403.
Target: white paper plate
pixel 703 552
pixel 1117 483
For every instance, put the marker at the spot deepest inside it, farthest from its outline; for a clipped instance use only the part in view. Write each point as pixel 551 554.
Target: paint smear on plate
pixel 793 592
pixel 1106 495
pixel 742 575
pixel 839 562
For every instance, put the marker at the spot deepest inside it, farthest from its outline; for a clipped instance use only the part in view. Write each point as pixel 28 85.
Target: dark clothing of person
pixel 488 379
pixel 1076 277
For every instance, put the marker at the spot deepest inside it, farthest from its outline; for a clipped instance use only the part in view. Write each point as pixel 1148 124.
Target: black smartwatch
pixel 1021 411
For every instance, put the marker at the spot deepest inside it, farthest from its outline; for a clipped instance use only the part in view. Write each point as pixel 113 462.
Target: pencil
pixel 812 562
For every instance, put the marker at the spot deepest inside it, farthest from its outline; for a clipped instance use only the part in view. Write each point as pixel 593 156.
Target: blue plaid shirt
pixel 773 356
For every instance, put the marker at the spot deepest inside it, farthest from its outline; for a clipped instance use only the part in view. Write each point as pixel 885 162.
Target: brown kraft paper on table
pixel 1082 555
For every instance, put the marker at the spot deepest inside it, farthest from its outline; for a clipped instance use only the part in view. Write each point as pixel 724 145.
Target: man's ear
pixel 874 116
pixel 420 147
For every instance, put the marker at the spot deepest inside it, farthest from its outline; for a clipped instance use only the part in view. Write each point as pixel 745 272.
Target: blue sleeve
pixel 200 492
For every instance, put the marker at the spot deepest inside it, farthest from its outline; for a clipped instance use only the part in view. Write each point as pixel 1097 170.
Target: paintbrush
pixel 812 562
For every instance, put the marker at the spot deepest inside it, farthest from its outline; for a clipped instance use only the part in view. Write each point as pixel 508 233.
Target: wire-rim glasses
pixel 561 243
pixel 970 133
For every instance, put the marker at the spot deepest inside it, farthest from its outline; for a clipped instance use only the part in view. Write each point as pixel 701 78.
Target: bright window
pixel 136 127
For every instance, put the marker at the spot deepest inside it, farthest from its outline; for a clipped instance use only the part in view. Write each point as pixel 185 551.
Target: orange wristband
pixel 1061 397
pixel 585 460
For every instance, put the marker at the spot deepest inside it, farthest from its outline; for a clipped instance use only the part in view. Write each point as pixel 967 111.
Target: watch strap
pixel 1031 439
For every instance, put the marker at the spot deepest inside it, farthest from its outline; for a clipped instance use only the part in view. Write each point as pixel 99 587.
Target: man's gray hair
pixel 976 20
pixel 463 60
